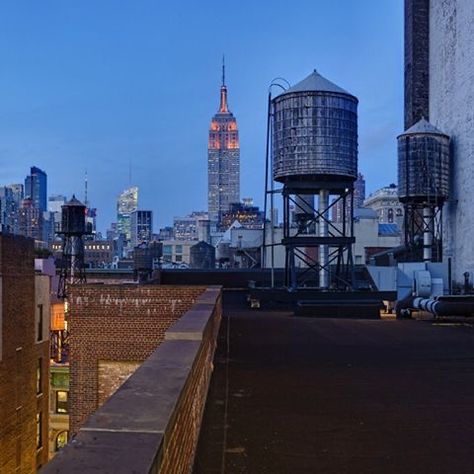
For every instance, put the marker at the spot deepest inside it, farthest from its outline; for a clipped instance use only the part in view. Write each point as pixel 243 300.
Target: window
pixel 39 437
pixel 39 377
pixel 178 249
pixel 179 258
pixel 39 327
pixel 61 401
pixel 61 440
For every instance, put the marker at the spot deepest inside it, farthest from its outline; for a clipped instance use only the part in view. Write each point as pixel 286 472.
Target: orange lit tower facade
pixel 223 159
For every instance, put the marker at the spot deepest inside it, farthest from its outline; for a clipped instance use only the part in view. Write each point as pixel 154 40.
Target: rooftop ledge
pixel 151 423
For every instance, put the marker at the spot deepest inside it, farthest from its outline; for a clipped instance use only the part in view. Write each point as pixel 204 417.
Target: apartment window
pixel 179 258
pixel 39 327
pixel 61 401
pixel 39 377
pixel 61 440
pixel 178 249
pixel 39 437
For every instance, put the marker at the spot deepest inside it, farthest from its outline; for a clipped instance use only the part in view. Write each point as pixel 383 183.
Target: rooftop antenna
pixel 223 70
pixel 86 202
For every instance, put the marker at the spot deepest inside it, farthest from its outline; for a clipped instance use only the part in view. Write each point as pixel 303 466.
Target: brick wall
pixel 19 402
pixel 116 323
pixel 112 374
pixel 417 76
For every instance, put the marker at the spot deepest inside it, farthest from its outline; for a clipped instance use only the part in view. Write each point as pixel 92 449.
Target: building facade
pixel 24 358
pixel 223 159
pixel 187 227
pixel 249 216
pixel 127 203
pixel 359 198
pixel 141 227
pixel 385 203
pixel 440 43
pixel 31 220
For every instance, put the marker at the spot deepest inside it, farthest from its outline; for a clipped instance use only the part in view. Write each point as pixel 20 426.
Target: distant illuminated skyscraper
pixel 359 197
pixel 126 204
pixel 36 188
pixel 141 227
pixel 223 163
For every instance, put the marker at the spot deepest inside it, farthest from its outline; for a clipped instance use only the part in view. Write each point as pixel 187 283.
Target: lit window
pixel 39 377
pixel 39 437
pixel 39 328
pixel 61 440
pixel 61 401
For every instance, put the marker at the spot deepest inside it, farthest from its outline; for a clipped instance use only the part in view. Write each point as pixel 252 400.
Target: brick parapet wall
pixel 116 323
pixel 151 424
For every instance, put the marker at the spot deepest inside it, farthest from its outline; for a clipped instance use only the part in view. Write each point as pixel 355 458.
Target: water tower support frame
pixel 333 268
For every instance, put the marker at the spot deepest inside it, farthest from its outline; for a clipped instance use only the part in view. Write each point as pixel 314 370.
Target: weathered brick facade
pixel 20 352
pixel 116 323
pixel 417 77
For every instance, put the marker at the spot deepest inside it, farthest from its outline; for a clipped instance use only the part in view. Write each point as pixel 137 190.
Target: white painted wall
pixel 452 111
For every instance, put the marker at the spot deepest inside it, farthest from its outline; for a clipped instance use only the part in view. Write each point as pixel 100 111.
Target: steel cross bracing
pixel 301 243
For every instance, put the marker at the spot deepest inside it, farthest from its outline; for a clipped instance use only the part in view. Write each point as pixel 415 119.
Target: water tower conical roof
pixel 423 126
pixel 316 83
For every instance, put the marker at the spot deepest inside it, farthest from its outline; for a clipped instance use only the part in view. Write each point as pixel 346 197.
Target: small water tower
pixel 314 156
pixel 73 229
pixel 423 187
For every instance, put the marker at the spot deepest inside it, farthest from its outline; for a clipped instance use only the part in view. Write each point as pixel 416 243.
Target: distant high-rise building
pixel 55 204
pixel 30 220
pixel 250 217
pixel 127 203
pixel 36 188
pixel 186 228
pixel 223 158
pixel 11 197
pixel 359 197
pixel 141 227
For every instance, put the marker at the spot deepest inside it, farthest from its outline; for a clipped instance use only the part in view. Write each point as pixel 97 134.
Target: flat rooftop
pixel 291 395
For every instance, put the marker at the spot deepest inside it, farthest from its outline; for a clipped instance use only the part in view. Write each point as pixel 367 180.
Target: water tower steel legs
pixel 423 231
pixel 323 233
pixel 428 229
pixel 318 252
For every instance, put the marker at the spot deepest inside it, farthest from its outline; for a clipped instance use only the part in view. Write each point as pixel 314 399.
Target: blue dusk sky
pixel 100 84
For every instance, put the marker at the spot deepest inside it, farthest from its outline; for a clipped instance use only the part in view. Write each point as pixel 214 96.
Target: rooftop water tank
pixel 315 132
pixel 423 164
pixel 73 217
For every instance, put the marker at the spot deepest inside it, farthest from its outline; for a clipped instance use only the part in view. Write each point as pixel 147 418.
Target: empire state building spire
pixel 223 108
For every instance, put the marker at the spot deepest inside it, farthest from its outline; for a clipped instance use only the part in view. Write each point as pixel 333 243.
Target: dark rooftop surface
pixel 338 396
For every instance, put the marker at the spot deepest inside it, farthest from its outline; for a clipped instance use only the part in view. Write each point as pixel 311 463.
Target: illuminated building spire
pixel 223 108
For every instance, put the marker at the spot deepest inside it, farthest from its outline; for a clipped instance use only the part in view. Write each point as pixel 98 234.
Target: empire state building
pixel 223 158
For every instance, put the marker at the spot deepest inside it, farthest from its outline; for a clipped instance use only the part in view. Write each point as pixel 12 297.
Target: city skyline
pixel 64 102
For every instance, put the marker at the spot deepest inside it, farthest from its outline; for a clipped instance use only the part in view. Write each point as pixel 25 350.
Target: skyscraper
pixel 223 162
pixel 127 203
pixel 36 188
pixel 141 227
pixel 359 197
